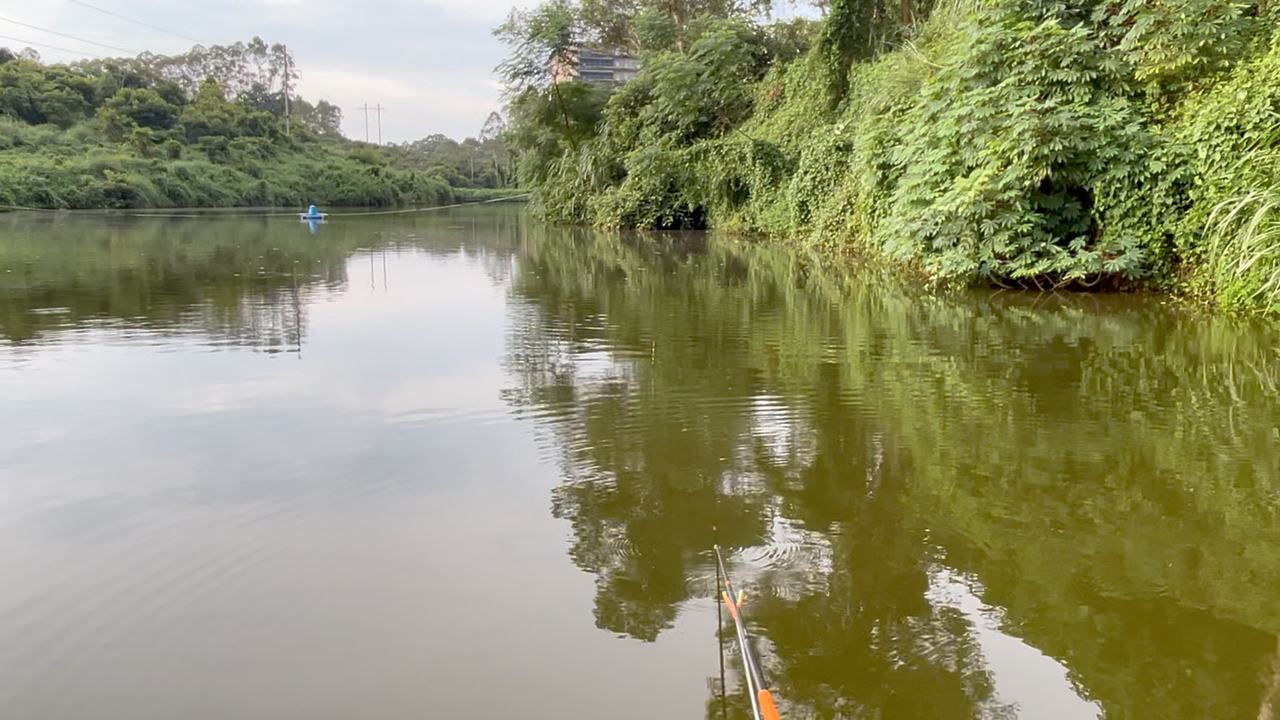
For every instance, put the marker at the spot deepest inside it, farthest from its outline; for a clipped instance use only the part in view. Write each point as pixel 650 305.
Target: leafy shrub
pixel 1008 143
pixel 1228 137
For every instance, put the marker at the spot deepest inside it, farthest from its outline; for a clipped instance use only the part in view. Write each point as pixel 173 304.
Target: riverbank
pixel 1016 142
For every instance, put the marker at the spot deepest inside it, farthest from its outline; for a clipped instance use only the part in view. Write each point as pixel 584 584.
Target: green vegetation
pixel 206 129
pixel 1023 142
pixel 477 163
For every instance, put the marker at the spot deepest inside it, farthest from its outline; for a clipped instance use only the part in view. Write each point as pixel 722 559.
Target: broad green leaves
pixel 1174 43
pixel 1003 153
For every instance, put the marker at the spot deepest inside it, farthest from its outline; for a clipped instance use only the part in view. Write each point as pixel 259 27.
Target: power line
pixel 69 37
pixel 51 47
pixel 137 22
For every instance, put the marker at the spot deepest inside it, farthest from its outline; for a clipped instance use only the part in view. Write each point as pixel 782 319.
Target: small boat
pixel 312 214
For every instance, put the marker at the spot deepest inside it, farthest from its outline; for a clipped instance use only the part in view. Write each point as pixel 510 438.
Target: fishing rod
pixel 762 704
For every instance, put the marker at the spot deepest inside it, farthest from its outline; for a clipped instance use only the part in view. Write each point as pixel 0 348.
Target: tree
pixel 140 108
pixel 617 25
pixel 493 127
pixel 542 42
pixel 212 114
pixel 61 106
pixel 20 84
pixel 323 118
pixel 253 68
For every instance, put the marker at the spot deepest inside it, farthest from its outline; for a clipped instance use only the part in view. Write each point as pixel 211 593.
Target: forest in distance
pixel 1026 143
pixel 211 128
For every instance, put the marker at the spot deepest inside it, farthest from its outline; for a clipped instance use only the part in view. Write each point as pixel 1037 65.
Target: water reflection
pixel 982 505
pixel 192 529
pixel 1026 681
pixel 1107 470
pixel 216 280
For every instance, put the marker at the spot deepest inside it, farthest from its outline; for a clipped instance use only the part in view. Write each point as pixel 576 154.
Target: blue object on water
pixel 312 214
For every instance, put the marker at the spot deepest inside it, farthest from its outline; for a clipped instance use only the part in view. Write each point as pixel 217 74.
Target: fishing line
pixel 230 212
pixel 431 209
pixel 328 216
pixel 724 689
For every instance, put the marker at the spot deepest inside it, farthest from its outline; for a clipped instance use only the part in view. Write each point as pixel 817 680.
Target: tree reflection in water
pixel 1104 471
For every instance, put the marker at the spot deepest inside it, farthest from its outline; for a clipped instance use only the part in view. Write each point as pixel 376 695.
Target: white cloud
pixel 341 83
pixel 412 108
pixel 491 10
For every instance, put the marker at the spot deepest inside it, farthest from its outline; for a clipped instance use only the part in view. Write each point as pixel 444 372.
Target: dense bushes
pixel 123 134
pixel 1031 142
pixel 666 144
pixel 1002 158
pixel 46 168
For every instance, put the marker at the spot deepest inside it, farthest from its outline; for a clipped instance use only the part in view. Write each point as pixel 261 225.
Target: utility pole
pixel 288 131
pixel 377 109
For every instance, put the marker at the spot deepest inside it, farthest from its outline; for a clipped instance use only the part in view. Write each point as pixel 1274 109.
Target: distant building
pixel 595 66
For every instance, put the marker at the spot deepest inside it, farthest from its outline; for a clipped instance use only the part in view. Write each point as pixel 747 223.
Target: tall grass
pixel 1243 250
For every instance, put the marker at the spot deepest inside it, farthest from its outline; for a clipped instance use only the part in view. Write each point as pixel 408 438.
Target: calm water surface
pixel 465 465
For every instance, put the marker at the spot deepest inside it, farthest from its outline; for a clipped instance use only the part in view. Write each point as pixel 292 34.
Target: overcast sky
pixel 428 62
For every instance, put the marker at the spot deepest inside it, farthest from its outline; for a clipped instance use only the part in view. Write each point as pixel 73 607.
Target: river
pixel 463 464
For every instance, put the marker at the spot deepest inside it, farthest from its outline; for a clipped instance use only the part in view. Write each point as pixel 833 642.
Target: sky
pixel 429 63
